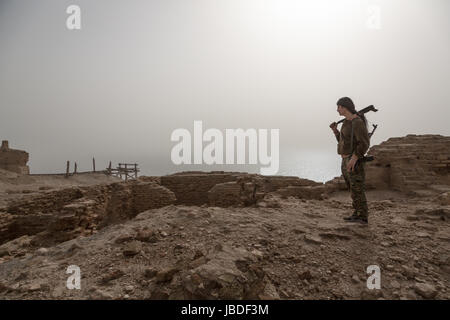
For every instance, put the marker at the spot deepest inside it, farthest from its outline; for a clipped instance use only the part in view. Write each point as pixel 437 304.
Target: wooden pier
pixel 127 171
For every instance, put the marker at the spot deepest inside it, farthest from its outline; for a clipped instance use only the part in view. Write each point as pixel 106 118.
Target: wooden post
pixel 109 168
pixel 120 170
pixel 135 171
pixel 75 168
pixel 126 172
pixel 67 168
pixel 93 163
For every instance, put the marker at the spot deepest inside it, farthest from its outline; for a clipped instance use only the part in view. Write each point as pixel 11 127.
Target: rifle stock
pixel 362 111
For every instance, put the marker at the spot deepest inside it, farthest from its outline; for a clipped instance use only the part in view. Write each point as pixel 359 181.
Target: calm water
pixel 317 165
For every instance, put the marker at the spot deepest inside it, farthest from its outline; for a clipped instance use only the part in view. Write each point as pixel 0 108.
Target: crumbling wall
pixel 192 188
pixel 64 214
pixel 273 183
pixel 219 188
pixel 36 214
pixel 51 201
pixel 404 164
pixel 150 195
pixel 248 189
pixel 411 162
pixel 225 195
pixel 13 160
pixel 245 191
pixel 303 192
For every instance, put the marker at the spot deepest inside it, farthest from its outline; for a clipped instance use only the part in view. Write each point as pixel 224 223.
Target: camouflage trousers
pixel 355 181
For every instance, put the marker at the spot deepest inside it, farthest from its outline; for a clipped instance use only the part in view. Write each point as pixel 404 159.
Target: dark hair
pixel 348 104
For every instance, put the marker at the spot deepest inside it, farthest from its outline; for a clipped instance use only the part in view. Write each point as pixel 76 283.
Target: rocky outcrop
pixel 411 162
pixel 13 160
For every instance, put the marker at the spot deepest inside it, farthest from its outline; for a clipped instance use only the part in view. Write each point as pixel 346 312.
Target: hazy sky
pixel 137 70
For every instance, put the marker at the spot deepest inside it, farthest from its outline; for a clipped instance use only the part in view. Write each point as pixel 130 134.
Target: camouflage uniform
pixel 355 181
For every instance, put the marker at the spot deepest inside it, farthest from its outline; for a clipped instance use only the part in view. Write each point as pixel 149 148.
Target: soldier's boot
pixel 353 217
pixel 363 218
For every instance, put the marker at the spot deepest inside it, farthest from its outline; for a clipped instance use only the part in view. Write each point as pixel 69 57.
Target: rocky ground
pixel 279 248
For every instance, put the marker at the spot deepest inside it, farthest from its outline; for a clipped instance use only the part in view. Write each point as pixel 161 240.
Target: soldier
pixel 353 147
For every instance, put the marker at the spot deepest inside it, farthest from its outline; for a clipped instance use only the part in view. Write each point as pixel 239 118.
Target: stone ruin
pixel 13 160
pixel 410 163
pixel 61 215
pixel 224 189
pixel 414 162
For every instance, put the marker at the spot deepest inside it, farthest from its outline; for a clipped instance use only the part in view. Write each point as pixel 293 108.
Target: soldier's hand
pixel 351 165
pixel 333 126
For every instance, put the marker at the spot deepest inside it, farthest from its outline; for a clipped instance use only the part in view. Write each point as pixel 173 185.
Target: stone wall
pixel 408 163
pixel 13 160
pixel 303 192
pixel 149 196
pixel 192 188
pixel 56 216
pixel 225 195
pixel 248 189
pixel 273 183
pixel 245 191
pixel 64 214
pixel 219 188
pixel 46 202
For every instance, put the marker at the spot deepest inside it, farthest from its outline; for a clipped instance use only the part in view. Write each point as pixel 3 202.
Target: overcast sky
pixel 137 70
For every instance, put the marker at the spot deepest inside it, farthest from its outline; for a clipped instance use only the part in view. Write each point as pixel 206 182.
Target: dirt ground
pixel 278 249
